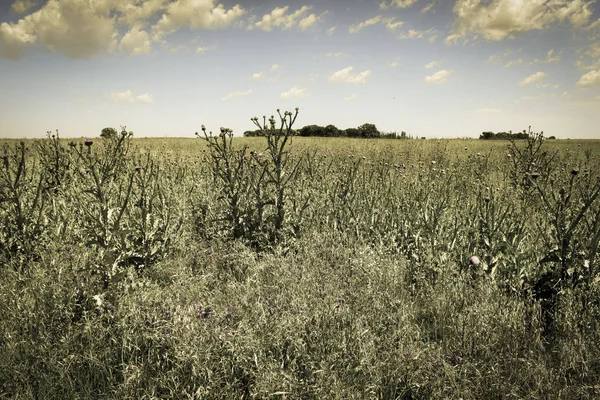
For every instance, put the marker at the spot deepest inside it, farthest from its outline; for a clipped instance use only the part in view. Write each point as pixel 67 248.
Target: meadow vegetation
pixel 299 268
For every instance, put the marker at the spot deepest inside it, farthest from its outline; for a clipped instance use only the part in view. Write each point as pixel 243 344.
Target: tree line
pixel 507 135
pixel 363 131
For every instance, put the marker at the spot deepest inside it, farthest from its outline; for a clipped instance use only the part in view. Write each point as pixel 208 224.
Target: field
pixel 299 268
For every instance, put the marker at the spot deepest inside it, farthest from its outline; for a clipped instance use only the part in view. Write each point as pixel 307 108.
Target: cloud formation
pixel 135 42
pixel 22 6
pixel 128 97
pixel 346 76
pixel 500 19
pixel 294 93
pixel 533 78
pixel 233 95
pixel 87 28
pixel 589 80
pixel 279 18
pixel 397 3
pixel 439 77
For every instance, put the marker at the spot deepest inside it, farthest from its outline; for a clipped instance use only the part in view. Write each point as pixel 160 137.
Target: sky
pixel 433 68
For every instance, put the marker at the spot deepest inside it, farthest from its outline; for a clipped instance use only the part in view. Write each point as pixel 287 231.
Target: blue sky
pixel 435 68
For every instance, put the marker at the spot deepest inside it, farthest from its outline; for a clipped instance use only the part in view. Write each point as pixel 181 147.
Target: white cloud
pixel 432 64
pixel 294 93
pixel 352 97
pixel 275 67
pixel 416 34
pixel 489 110
pixel 533 78
pixel 331 30
pixel 309 21
pixel 202 49
pixel 364 24
pixel 518 61
pixel 135 42
pixel 237 94
pixel 128 97
pixel 278 18
pixel 594 25
pixel 550 58
pixel 397 3
pixel 498 19
pixel 392 25
pixel 589 58
pixel 336 54
pixel 256 76
pixel 439 77
pixel 346 75
pixel 22 6
pixel 591 79
pixel 77 28
pixel 132 12
pixel 145 98
pixel 393 64
pixel 428 7
pixel 122 97
pixel 196 14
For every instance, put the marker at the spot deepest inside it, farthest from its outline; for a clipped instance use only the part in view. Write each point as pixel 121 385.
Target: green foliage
pixel 108 133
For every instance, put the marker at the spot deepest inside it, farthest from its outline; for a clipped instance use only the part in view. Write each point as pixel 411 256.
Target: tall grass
pixel 285 267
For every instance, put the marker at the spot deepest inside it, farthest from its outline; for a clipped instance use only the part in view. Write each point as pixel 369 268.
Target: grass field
pixel 343 269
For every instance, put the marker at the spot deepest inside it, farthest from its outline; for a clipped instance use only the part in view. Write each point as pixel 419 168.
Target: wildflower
pixel 88 142
pixel 575 171
pixel 474 260
pixel 433 162
pixel 203 128
pixel 138 168
pixel 535 175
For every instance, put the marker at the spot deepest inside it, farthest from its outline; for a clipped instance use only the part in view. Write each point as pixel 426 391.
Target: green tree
pixel 108 133
pixel 368 131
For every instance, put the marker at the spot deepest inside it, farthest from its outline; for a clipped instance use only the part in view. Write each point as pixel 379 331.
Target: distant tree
pixel 552 137
pixel 368 131
pixel 312 130
pixel 352 132
pixel 108 133
pixel 331 131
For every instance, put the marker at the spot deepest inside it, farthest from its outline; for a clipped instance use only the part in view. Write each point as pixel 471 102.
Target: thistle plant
pixel 23 201
pixel 282 171
pixel 229 167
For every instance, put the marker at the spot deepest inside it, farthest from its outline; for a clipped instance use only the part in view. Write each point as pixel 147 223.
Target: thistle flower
pixel 88 142
pixel 203 128
pixel 575 171
pixel 535 175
